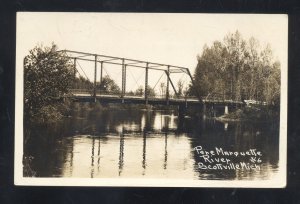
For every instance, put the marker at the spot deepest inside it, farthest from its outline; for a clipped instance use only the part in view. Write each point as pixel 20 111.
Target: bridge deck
pixel 152 101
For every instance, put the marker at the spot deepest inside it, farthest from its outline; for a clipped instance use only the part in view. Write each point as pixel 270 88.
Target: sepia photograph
pixel 151 99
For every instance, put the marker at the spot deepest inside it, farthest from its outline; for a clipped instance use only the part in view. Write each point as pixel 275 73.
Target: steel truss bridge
pixel 95 94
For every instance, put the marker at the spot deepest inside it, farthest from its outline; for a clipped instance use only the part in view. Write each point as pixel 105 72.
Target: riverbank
pixel 251 113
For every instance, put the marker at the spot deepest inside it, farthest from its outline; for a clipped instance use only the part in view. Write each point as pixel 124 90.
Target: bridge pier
pixel 226 110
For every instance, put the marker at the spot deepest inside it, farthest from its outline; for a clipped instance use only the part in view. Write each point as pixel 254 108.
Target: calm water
pixel 140 143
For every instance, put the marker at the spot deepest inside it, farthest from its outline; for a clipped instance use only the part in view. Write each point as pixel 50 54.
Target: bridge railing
pixel 88 92
pixel 219 98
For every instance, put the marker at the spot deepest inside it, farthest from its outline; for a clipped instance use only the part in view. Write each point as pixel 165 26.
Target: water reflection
pixel 149 144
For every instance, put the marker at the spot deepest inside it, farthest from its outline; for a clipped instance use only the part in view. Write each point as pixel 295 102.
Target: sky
pixel 174 39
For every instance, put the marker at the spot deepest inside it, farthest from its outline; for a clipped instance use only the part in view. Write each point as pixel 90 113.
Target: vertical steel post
pixel 168 81
pixel 74 67
pixel 125 67
pixel 123 78
pixel 146 84
pixel 101 71
pixel 74 83
pixel 95 74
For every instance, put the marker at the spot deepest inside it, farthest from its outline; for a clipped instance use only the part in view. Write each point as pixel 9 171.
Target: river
pixel 139 143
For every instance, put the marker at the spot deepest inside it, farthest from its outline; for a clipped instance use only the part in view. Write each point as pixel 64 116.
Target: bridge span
pixel 84 89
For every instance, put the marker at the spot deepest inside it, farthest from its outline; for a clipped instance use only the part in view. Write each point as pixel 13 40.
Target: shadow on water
pixel 142 144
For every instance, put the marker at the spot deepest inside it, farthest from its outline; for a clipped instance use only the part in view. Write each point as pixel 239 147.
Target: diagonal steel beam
pixel 169 78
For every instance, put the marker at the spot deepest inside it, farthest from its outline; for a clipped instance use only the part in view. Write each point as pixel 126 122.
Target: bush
pixel 47 75
pixel 260 113
pixel 47 114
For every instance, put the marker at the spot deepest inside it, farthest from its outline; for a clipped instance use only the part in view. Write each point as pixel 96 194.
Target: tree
pixel 109 86
pixel 151 91
pixel 162 88
pixel 47 75
pixel 250 78
pixel 82 83
pixel 237 69
pixel 180 88
pixel 235 61
pixel 139 91
pixel 210 70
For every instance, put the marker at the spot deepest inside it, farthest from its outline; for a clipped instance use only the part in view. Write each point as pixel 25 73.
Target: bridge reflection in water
pixel 135 143
pixel 136 149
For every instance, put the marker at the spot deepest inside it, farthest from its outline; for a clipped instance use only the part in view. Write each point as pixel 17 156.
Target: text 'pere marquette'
pixel 221 159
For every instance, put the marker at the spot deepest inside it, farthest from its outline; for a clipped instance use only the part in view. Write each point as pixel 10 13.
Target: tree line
pixel 237 69
pixel 108 86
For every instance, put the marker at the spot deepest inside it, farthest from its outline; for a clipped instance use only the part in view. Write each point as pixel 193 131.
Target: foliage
pixel 108 85
pixel 47 75
pixel 254 113
pixel 180 88
pixel 238 69
pixel 151 92
pixel 82 83
pixel 140 91
pixel 27 170
pixel 162 88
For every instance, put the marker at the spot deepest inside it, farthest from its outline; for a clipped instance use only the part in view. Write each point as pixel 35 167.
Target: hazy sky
pixel 174 39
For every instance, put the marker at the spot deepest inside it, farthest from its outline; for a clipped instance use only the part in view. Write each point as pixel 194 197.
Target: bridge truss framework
pixel 124 63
